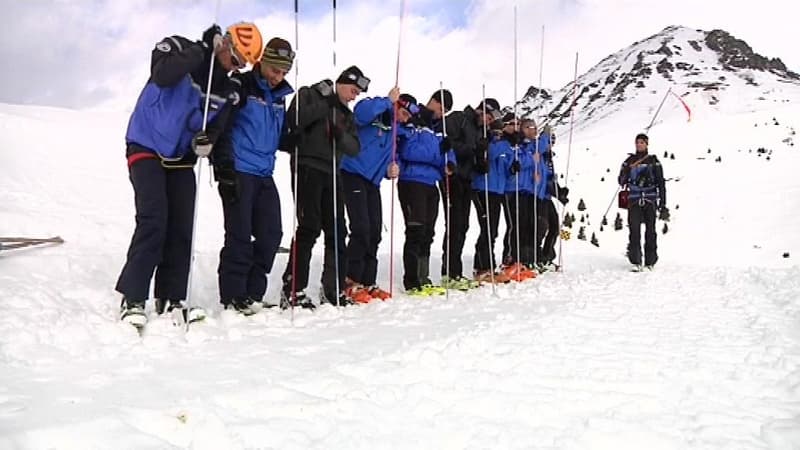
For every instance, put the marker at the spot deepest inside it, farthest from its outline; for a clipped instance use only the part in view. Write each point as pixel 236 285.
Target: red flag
pixel 685 106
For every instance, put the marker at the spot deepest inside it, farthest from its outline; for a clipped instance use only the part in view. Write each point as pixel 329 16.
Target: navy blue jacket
pixel 420 157
pixel 500 157
pixel 250 143
pixel 169 110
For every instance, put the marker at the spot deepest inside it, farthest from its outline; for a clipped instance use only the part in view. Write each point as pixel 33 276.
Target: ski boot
pixel 302 300
pixel 132 312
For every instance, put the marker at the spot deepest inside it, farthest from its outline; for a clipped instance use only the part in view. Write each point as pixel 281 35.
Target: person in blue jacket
pixel 545 188
pixel 164 128
pixel 244 162
pixel 361 178
pixel 518 243
pixel 425 157
pixel 491 173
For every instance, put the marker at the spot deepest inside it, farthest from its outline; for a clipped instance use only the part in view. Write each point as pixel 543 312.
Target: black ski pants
pixel 363 201
pixel 456 231
pixel 525 244
pixel 314 215
pixel 639 213
pixel 546 230
pixel 484 248
pixel 420 204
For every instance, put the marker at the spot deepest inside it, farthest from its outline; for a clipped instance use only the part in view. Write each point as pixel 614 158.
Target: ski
pixel 12 243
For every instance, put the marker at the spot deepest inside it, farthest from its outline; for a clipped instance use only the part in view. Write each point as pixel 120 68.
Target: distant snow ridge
pixel 711 67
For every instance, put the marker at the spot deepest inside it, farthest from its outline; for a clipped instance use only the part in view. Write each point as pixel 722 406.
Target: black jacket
pixel 637 159
pixel 314 129
pixel 464 132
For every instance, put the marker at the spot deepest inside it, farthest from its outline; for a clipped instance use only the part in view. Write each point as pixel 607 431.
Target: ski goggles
pixel 236 60
pixel 360 81
pixel 408 106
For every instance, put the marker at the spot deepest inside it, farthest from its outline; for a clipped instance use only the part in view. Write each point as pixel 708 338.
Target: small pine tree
pixel 666 154
pixel 608 170
pixel 665 228
pixel 601 228
pixel 582 233
pixel 604 221
pixel 618 223
pixel 672 156
pixel 602 179
pixel 568 221
pixel 709 151
pixel 583 219
pixel 594 241
pixel 581 205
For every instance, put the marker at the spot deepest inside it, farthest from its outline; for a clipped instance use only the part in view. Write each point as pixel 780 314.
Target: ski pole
pixel 611 203
pixel 335 169
pixel 448 236
pixel 196 205
pixel 394 149
pixel 536 166
pixel 516 154
pixel 486 195
pixel 569 153
pixel 293 297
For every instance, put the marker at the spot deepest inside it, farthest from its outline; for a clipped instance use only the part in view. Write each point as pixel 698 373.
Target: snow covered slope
pixel 702 353
pixel 705 68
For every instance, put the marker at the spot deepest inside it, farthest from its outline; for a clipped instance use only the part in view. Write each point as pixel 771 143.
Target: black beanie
pixel 643 137
pixel 351 75
pixel 448 98
pixel 491 105
pixel 408 98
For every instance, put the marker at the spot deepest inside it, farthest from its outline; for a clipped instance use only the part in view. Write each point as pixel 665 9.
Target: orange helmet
pixel 247 40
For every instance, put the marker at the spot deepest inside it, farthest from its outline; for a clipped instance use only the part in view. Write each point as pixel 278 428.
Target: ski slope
pixel 703 353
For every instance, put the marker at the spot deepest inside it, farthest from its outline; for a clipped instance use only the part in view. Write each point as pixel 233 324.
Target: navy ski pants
pixel 162 239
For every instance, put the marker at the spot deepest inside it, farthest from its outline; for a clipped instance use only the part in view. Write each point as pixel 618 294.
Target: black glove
pixel 663 214
pixel 482 147
pixel 512 138
pixel 563 193
pixel 210 33
pixel 445 145
pixel 515 167
pixel 201 144
pixel 481 166
pixel 228 184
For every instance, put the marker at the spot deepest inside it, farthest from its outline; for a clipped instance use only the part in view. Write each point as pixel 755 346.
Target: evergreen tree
pixel 594 241
pixel 582 233
pixel 581 205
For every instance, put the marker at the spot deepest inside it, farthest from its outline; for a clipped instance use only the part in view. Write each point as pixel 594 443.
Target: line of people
pixel 339 158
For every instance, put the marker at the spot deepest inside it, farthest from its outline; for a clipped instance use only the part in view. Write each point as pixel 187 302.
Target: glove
pixel 482 147
pixel 201 144
pixel 445 145
pixel 228 184
pixel 393 171
pixel 515 167
pixel 212 37
pixel 512 139
pixel 563 192
pixel 481 166
pixel 663 214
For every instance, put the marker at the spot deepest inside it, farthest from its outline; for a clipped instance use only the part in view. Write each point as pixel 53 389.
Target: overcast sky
pixel 95 53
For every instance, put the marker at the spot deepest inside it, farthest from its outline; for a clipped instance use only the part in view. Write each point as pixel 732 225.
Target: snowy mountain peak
pixel 709 68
